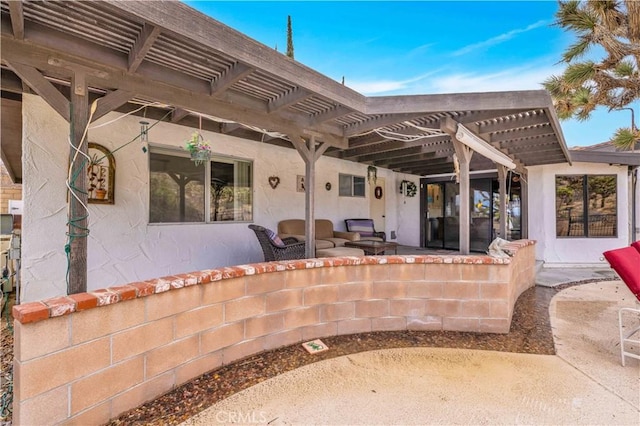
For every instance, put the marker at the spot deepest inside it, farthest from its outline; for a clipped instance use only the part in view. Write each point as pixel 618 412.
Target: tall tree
pixel 289 38
pixel 611 26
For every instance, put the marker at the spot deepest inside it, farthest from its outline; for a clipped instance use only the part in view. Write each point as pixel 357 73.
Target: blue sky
pixel 421 47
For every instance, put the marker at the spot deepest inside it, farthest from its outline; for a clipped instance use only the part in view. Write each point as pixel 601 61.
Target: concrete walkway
pixel 584 383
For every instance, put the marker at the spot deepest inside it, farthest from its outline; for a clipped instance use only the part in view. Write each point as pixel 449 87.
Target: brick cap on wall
pixel 64 305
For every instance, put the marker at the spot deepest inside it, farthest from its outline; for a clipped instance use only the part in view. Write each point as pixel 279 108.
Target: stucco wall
pixel 122 247
pixel 542 216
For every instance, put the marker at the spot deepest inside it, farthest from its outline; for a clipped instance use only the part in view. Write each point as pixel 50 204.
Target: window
pixel 351 186
pixel 586 206
pixel 178 193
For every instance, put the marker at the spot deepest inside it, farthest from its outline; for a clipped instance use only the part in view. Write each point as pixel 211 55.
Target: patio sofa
pixel 326 237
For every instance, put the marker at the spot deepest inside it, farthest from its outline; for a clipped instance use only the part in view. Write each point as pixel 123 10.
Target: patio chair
pixel 365 228
pixel 626 262
pixel 275 248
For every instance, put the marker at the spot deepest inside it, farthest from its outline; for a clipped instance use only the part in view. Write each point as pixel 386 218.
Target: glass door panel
pixel 451 216
pixel 481 204
pixel 435 215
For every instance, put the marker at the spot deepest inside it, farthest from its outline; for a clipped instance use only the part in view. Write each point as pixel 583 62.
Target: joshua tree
pixel 614 81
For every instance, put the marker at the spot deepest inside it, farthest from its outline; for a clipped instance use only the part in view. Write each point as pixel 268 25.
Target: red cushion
pixel 626 262
pixel 636 244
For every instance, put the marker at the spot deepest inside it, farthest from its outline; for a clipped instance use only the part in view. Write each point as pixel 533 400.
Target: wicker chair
pixel 292 248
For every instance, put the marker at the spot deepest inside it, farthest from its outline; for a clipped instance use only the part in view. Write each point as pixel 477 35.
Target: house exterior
pixel 254 105
pixel 555 249
pixel 125 247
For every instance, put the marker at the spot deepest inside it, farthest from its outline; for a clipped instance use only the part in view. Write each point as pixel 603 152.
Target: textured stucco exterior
pixel 565 251
pixel 123 247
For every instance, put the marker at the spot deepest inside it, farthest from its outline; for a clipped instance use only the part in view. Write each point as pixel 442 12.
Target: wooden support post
pixel 502 207
pixel 464 154
pixel 310 153
pixel 524 206
pixel 309 198
pixel 78 229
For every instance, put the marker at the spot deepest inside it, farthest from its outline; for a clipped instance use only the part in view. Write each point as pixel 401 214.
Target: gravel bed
pixel 530 333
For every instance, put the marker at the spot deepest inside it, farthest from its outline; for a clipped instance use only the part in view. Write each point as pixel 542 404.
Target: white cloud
pixel 498 39
pixel 386 86
pixel 508 79
pixel 529 77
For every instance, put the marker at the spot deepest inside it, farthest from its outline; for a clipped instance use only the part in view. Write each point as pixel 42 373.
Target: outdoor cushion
pixel 326 237
pixel 365 228
pixel 340 251
pixel 626 262
pixel 275 239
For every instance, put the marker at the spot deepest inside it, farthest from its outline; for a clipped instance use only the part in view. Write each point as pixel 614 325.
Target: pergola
pixel 128 53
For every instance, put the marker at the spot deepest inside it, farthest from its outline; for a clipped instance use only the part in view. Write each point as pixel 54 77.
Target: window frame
pixel 352 193
pixel 586 209
pixel 208 214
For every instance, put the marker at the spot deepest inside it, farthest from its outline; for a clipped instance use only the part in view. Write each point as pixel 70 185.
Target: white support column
pixel 524 206
pixel 502 181
pixel 310 154
pixel 464 154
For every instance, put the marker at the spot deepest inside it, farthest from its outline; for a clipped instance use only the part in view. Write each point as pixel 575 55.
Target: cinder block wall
pixel 86 358
pixel 8 190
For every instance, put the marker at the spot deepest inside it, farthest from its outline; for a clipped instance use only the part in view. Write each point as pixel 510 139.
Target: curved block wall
pixel 88 357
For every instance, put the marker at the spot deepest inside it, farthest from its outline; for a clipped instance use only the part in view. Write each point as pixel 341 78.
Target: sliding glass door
pixel 442 226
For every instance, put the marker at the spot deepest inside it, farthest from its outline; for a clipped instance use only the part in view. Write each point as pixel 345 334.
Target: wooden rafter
pixel 178 114
pixel 148 35
pixel 295 96
pixel 110 102
pixel 234 74
pixel 16 11
pixel 42 87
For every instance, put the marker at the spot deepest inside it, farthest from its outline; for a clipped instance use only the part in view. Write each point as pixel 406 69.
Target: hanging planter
pixel 199 149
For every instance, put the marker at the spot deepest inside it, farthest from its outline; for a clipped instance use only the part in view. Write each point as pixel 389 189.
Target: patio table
pixel 373 247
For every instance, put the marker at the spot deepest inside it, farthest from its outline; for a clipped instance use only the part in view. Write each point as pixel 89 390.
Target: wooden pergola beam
pixel 294 96
pixel 148 35
pixel 16 10
pixel 234 74
pixel 110 102
pixel 42 87
pixel 104 74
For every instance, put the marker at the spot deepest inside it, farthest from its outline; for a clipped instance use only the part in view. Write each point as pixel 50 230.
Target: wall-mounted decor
pixel 408 188
pixel 300 183
pixel 101 175
pixel 327 186
pixel 378 192
pixel 274 181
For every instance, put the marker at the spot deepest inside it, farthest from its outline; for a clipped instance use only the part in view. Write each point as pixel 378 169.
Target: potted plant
pixel 101 192
pixel 92 174
pixel 199 149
